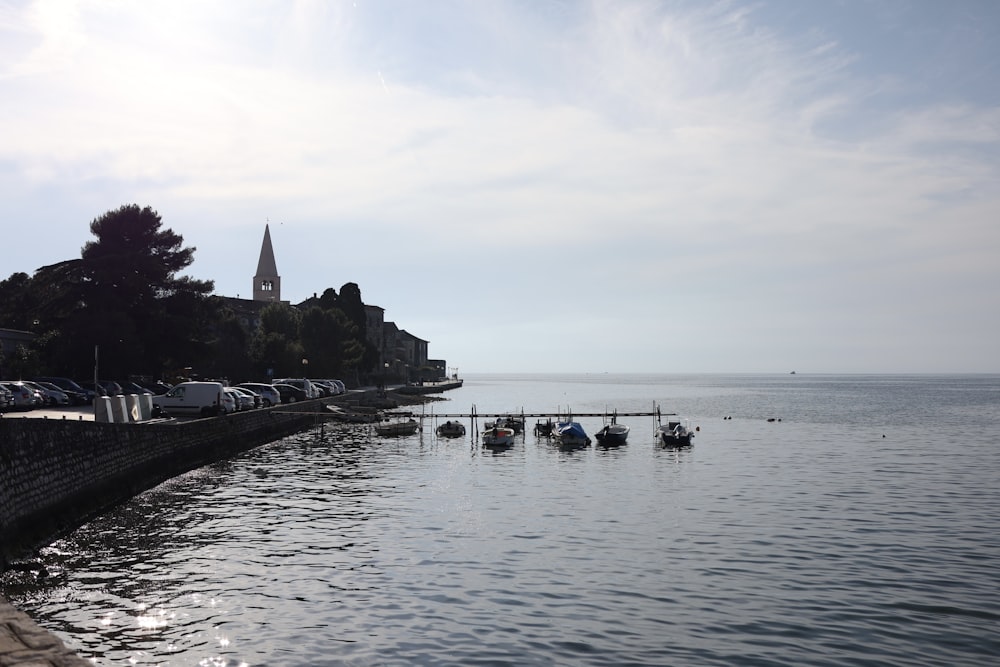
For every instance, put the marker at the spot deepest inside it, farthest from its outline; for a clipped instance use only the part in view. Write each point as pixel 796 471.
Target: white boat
pixel 498 436
pixel 451 429
pixel 676 432
pixel 570 434
pixel 408 427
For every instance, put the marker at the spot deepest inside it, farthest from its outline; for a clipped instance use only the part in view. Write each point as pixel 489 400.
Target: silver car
pixel 25 398
pixel 50 396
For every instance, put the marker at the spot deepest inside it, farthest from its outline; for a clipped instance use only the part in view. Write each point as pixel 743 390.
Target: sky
pixel 542 186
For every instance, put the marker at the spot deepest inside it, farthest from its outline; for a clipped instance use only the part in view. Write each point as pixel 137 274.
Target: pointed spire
pixel 266 265
pixel 267 282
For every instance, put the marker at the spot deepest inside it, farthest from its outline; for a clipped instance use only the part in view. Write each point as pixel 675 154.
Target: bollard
pixel 145 407
pixel 102 409
pixel 118 412
pixel 132 408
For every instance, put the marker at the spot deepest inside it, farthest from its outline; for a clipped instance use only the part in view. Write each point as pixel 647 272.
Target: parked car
pixel 328 386
pixel 200 399
pixel 75 397
pixel 67 386
pixel 158 387
pixel 95 390
pixel 268 394
pixel 50 395
pixel 230 401
pixel 25 398
pixel 252 399
pixel 112 387
pixel 241 400
pixel 303 384
pixel 290 393
pixel 129 387
pixel 6 398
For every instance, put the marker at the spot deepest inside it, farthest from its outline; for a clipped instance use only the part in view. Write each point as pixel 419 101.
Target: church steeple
pixel 267 282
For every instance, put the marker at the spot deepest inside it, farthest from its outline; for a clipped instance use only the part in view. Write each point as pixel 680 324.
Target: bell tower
pixel 267 282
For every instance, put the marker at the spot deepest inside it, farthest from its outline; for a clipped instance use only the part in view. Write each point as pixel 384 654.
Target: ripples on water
pixel 813 540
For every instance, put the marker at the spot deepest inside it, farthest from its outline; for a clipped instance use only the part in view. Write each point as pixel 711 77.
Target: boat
pixel 408 427
pixel 498 436
pixel 675 433
pixel 512 422
pixel 451 429
pixel 612 434
pixel 543 429
pixel 570 434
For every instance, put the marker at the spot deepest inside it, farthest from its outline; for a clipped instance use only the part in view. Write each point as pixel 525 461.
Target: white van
pixel 199 399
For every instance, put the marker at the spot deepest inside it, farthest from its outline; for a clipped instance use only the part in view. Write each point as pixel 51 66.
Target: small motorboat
pixel 498 436
pixel 570 434
pixel 394 428
pixel 676 432
pixel 451 429
pixel 612 434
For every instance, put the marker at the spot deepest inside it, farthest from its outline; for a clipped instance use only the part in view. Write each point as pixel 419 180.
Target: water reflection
pixel 342 547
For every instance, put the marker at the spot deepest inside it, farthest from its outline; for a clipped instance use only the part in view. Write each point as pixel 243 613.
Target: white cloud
pixel 720 159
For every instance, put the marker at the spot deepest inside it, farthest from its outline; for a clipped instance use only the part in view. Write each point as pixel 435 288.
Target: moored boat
pixel 570 434
pixel 408 427
pixel 451 429
pixel 612 434
pixel 498 436
pixel 676 432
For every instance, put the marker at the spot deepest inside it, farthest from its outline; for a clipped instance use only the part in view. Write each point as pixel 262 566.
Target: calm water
pixel 858 528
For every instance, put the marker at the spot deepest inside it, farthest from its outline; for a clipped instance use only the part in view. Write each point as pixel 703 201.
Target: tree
pixel 276 347
pixel 17 302
pixel 123 295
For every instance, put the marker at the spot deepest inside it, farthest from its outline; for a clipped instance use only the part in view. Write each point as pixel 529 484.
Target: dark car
pixel 112 387
pixel 76 397
pixel 129 387
pixel 158 387
pixel 93 389
pixel 290 393
pixel 68 386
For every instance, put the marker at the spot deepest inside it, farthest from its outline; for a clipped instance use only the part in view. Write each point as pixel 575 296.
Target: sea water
pixel 816 520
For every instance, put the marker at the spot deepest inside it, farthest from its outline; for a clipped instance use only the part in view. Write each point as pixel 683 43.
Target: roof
pixel 266 265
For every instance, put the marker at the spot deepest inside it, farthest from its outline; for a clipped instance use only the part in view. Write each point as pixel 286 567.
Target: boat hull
pixel 397 428
pixel 674 437
pixel 498 437
pixel 612 435
pixel 451 430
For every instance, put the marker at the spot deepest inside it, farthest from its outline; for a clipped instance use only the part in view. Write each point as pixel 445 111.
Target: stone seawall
pixel 56 474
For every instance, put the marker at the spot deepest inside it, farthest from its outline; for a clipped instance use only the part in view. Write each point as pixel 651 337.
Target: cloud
pixel 723 154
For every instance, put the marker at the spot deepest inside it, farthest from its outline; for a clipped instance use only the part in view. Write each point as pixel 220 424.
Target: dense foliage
pixel 125 299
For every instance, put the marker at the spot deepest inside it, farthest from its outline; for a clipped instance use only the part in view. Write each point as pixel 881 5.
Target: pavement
pixel 74 412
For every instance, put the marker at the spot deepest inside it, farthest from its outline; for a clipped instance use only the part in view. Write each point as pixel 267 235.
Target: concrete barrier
pixel 119 412
pixel 102 410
